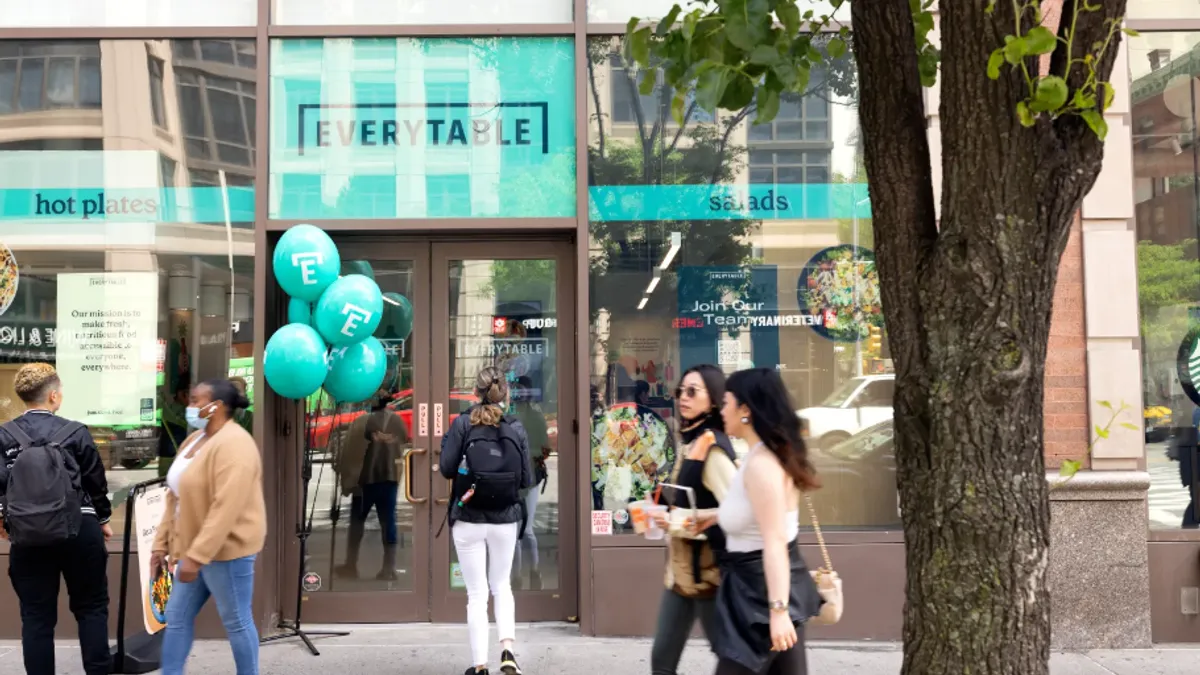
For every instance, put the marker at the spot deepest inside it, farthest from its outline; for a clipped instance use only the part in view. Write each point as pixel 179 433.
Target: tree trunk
pixel 968 304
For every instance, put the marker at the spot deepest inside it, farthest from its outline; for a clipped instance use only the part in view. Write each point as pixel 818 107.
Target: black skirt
pixel 743 608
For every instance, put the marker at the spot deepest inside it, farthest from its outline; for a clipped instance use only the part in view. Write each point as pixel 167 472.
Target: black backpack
pixel 489 477
pixel 43 499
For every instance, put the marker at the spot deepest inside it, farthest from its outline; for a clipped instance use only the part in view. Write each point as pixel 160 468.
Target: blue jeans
pixel 382 497
pixel 231 584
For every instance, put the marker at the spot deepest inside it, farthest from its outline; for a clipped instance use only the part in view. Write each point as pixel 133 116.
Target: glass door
pixel 369 498
pixel 511 305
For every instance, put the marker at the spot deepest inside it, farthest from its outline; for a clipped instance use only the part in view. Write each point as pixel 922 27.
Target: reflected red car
pixel 401 404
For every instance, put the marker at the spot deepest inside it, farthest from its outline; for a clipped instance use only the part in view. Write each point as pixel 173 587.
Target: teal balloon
pixel 349 310
pixel 356 371
pixel 299 311
pixel 306 262
pixel 295 362
pixel 360 267
pixel 397 321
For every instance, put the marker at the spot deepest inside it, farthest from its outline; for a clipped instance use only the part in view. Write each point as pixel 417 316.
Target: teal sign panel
pixel 422 128
pixel 811 201
pixel 234 204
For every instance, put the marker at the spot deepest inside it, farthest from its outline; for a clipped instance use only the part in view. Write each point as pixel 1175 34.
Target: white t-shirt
pixel 181 464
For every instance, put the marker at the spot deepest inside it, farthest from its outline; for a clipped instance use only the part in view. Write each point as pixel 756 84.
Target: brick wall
pixel 1066 406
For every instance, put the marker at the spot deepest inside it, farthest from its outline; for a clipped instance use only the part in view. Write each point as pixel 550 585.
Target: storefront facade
pixel 495 168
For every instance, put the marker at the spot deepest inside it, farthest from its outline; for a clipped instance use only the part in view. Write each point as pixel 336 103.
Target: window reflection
pixel 738 245
pixel 135 189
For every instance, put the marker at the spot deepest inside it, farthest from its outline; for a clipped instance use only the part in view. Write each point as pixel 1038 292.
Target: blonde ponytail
pixel 492 390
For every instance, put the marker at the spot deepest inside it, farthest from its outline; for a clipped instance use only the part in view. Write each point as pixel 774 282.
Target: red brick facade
pixel 1066 404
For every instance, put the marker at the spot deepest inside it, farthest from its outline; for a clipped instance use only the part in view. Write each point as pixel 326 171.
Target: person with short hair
pixel 213 527
pixel 80 560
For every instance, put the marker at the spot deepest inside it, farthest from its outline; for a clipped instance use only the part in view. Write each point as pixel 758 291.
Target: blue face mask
pixel 194 419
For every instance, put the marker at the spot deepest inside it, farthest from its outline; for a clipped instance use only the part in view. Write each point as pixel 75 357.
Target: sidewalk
pixel 555 649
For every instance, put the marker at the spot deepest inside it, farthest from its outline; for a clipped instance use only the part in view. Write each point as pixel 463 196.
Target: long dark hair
pixel 774 420
pixel 714 383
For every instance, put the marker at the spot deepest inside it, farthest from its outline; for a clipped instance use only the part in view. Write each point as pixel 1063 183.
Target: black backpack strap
pixel 64 432
pixel 23 440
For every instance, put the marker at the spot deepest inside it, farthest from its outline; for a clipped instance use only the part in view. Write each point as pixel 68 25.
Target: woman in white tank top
pixel 766 593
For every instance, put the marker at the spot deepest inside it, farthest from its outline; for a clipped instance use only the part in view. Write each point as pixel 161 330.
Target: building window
pixel 1163 67
pixel 704 249
pixel 218 116
pixel 44 76
pixel 158 107
pixel 630 105
pixel 240 53
pixel 390 12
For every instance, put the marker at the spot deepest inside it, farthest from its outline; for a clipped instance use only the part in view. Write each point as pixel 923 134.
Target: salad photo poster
pixel 148 508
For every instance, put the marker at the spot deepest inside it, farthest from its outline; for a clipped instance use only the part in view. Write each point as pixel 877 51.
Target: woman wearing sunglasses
pixel 706 465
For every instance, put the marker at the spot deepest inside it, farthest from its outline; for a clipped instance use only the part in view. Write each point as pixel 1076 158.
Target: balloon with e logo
pixel 306 262
pixel 349 310
pixel 299 311
pixel 295 362
pixel 356 371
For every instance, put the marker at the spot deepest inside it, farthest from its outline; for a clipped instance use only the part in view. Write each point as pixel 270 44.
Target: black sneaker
pixel 471 671
pixel 508 663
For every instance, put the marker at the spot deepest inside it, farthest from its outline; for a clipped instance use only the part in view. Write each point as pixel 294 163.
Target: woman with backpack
pixel 486 454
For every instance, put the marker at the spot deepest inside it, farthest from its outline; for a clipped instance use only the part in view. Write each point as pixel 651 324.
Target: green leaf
pixel 1096 122
pixel 678 106
pixel 1040 40
pixel 836 48
pixel 1131 427
pixel 632 25
pixel 994 62
pixel 1105 404
pixel 639 46
pixel 768 104
pixel 814 55
pixel 738 94
pixel 649 79
pixel 789 15
pixel 1015 50
pixel 1069 468
pixel 1083 100
pixel 746 22
pixel 1024 115
pixel 1050 94
pixel 765 55
pixel 1131 32
pixel 710 86
pixel 1101 432
pixel 689 25
pixel 668 21
pixel 1109 93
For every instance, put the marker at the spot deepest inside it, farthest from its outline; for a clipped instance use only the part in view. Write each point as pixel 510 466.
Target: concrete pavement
pixel 553 649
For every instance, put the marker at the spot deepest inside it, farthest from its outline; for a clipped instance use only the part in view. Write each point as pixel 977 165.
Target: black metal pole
pixel 119 658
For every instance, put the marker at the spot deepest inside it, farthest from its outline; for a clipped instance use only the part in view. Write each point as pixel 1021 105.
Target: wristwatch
pixel 778 606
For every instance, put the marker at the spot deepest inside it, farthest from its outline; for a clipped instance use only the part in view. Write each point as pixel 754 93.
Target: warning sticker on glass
pixel 602 522
pixel 729 352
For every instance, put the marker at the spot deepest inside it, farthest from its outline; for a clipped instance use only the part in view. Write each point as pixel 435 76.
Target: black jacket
pixel 452 452
pixel 40 425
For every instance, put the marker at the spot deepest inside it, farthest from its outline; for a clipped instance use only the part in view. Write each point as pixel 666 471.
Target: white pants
pixel 485 556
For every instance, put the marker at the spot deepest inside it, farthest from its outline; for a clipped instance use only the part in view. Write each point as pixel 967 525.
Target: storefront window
pixel 126 233
pixel 1163 9
pixel 379 12
pixel 1165 91
pixel 619 11
pixel 126 13
pixel 422 128
pixel 741 246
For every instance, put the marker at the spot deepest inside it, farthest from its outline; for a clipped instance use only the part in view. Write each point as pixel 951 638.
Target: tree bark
pixel 968 305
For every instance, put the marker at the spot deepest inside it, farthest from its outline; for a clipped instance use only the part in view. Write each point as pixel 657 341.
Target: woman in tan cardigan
pixel 213 527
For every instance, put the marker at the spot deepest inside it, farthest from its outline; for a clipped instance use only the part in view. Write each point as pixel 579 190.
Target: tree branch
pixel 892 113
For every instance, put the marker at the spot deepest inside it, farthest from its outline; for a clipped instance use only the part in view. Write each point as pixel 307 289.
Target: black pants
pixel 36 571
pixel 676 617
pixel 792 662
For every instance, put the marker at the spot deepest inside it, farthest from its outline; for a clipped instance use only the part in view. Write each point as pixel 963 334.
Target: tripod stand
pixel 293 628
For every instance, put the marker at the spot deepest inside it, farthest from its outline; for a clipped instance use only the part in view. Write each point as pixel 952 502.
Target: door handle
pixel 408 476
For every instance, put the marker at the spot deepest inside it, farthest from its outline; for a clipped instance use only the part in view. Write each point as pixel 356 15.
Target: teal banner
pixel 422 128
pixel 129 205
pixel 814 201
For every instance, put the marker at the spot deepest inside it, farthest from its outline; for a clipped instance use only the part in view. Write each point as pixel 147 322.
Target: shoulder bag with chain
pixel 829 584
